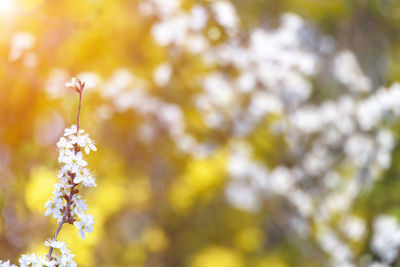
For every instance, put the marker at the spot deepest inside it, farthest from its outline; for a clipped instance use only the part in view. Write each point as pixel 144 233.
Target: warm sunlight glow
pixel 30 5
pixel 7 7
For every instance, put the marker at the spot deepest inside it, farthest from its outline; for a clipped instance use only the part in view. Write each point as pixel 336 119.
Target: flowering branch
pixel 66 211
pixel 67 206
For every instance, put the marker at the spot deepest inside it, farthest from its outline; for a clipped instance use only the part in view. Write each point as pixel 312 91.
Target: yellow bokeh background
pixel 156 205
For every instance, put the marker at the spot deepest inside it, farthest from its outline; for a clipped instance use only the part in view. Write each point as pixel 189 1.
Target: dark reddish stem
pixel 79 111
pixel 67 218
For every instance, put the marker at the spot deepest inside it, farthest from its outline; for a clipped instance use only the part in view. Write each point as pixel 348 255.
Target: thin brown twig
pixel 79 109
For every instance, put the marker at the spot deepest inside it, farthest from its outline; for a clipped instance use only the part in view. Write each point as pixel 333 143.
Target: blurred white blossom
pixel 20 42
pixel 162 74
pixel 386 238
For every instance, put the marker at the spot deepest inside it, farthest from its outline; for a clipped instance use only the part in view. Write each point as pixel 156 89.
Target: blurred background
pixel 229 133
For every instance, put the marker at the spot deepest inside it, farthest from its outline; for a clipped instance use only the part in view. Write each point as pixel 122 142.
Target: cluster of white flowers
pixel 62 257
pixel 127 92
pixel 323 138
pixel 66 205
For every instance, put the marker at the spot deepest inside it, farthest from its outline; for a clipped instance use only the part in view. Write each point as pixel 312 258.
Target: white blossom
pixel 6 264
pixel 73 83
pixel 53 207
pixel 72 131
pixel 85 224
pixel 54 243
